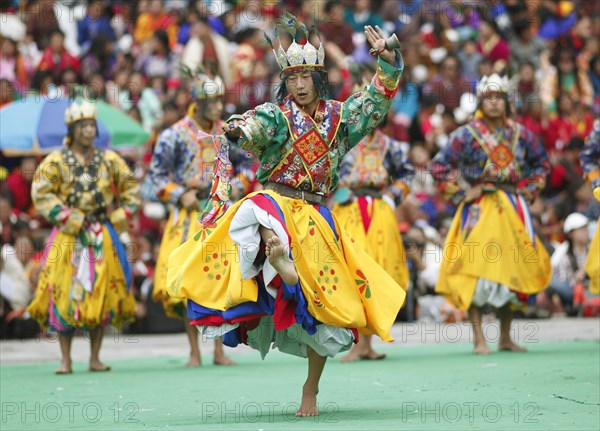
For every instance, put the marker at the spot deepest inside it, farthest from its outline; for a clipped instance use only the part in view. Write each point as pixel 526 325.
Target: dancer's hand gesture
pixel 377 40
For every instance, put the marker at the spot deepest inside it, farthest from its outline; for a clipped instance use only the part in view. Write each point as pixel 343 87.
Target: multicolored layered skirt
pixel 234 293
pixel 492 254
pixel 371 222
pixel 84 286
pixel 180 226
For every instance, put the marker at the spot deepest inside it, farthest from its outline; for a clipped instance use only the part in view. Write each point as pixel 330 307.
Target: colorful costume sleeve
pixel 400 169
pixel 365 110
pixel 45 194
pixel 128 191
pixel 165 160
pixel 264 130
pixel 445 166
pixel 537 166
pixel 590 157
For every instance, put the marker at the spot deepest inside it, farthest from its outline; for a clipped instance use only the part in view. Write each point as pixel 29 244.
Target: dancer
pixel 180 172
pixel 276 268
pixel 374 178
pixel 88 194
pixel 492 255
pixel 590 161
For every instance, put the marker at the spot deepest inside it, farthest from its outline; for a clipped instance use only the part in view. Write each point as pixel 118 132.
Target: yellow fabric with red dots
pixel 343 286
pixel 180 223
pixel 381 241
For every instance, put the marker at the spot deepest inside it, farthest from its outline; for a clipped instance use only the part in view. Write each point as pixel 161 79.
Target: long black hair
pixel 320 80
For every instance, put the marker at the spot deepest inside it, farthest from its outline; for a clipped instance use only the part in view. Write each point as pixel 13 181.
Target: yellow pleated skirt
pixel 342 285
pixel 63 305
pixel 382 240
pixel 180 226
pixel 592 264
pixel 495 244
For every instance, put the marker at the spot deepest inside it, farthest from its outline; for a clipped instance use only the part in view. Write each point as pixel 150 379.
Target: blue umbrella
pixel 36 125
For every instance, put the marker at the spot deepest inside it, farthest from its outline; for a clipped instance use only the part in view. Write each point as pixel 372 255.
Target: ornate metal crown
pixel 492 83
pixel 204 86
pixel 80 111
pixel 297 57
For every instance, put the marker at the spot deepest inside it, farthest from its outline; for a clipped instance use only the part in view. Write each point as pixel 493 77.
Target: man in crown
pixel 180 172
pixel 590 161
pixel 88 194
pixel 276 269
pixel 493 168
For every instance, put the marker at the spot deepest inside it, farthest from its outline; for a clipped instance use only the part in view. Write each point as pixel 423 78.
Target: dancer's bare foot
pixel 280 261
pixel 510 346
pixel 351 357
pixel 193 362
pixel 373 355
pixel 482 349
pixel 65 368
pixel 308 407
pixel 222 360
pixel 96 365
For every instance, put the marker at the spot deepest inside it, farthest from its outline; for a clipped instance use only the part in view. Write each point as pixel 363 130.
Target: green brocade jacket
pixel 306 153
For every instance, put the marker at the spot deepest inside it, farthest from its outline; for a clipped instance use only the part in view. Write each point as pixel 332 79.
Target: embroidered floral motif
pixel 363 284
pixel 311 147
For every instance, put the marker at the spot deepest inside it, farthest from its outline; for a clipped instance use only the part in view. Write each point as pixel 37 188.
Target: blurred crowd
pixel 128 53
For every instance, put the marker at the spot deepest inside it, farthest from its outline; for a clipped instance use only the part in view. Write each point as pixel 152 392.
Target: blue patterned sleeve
pixel 400 169
pixel 537 165
pixel 446 166
pixel 165 161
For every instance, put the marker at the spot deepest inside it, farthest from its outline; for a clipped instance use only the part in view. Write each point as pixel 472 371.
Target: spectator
pixel 566 176
pixel 492 46
pixel 406 106
pixel 335 29
pixel 569 79
pixel 138 95
pixel 533 116
pixel 469 59
pixel 158 60
pixel 95 23
pixel 15 288
pixel 524 46
pixel 246 54
pixel 12 65
pixel 19 183
pixel 8 218
pixel 41 22
pixel 425 258
pixel 96 87
pixel 524 86
pixel 155 19
pixel 191 16
pixel 566 125
pixel 208 49
pixel 42 81
pixel 99 58
pixel 448 85
pixel 56 58
pixel 568 261
pixel 361 15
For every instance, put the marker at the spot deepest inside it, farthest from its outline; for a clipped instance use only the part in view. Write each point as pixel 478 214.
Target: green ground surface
pixel 556 386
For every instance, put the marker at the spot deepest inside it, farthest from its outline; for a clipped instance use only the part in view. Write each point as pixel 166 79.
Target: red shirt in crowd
pixel 20 190
pixel 58 63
